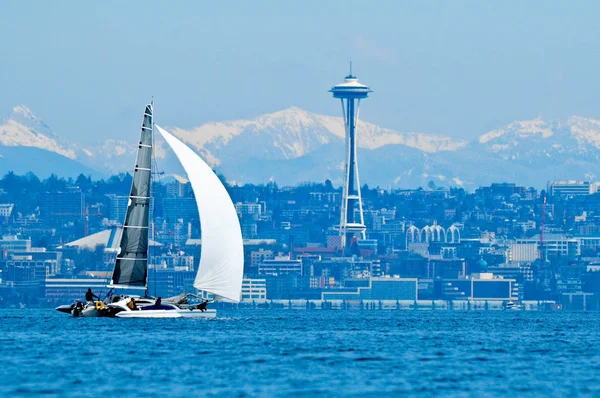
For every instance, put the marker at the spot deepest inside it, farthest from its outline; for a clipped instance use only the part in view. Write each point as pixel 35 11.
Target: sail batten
pixel 131 266
pixel 222 253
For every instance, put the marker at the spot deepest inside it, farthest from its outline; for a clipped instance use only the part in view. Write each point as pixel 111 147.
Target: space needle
pixel 350 92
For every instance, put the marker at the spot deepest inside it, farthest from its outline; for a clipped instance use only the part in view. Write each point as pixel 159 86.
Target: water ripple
pixel 302 353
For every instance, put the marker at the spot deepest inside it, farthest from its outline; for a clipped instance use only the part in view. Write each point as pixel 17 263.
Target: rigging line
pixel 155 167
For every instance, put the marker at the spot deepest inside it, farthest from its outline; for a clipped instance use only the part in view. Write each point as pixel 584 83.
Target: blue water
pixel 302 353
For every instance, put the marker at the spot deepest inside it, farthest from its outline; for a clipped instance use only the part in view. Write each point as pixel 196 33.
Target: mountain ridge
pixel 294 145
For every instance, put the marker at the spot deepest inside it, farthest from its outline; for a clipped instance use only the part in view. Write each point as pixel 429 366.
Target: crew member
pixel 89 296
pixel 202 306
pixel 131 304
pixel 158 304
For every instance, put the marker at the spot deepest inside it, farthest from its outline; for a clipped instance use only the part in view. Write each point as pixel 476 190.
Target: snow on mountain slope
pixel 23 128
pixel 520 129
pixel 294 132
pixel 117 156
pixel 533 140
pixel 585 131
pixel 294 145
pixel 371 136
pixel 283 135
pixel 27 143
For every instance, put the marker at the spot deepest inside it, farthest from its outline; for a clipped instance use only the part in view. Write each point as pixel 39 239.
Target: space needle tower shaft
pixel 350 92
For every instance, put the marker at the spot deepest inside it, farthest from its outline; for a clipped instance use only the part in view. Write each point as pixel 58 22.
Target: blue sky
pixel 450 67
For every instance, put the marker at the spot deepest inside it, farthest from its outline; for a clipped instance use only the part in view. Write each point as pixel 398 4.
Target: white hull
pixel 169 311
pixel 149 314
pixel 168 314
pixel 197 313
pixel 90 311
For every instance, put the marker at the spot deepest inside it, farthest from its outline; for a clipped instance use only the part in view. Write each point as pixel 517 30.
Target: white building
pixel 254 289
pixel 571 188
pixel 523 251
pixel 15 243
pixel 528 250
pixel 280 265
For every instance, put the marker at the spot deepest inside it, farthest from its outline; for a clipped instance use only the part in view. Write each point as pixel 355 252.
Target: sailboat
pixel 222 255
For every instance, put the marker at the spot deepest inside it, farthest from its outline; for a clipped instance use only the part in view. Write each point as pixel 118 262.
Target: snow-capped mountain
pixel 28 144
pixel 293 133
pixel 23 128
pixel 530 139
pixel 540 150
pixel 294 145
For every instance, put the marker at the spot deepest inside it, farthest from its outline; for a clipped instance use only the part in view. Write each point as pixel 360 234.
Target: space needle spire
pixel 350 92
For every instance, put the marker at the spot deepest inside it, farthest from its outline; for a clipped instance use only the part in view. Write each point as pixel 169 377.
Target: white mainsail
pixel 222 254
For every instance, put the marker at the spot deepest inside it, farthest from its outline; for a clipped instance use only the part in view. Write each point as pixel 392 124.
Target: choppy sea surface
pixel 302 353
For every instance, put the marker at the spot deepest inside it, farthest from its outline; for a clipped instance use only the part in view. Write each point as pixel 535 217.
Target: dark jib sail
pixel 131 267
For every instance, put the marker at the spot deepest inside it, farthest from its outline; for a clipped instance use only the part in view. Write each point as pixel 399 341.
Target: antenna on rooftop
pixel 350 68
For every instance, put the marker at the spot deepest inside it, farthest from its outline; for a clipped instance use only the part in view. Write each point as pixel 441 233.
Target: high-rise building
pixel 62 205
pixel 178 189
pixel 117 207
pixel 350 92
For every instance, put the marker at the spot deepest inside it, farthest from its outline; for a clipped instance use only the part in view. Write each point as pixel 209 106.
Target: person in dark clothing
pixel 202 306
pixel 77 308
pixel 89 296
pixel 158 304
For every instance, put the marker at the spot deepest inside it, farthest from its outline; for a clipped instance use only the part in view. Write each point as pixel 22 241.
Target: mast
pixel 131 266
pixel 152 222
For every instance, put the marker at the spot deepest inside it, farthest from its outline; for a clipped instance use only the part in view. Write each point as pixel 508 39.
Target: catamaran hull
pixel 149 314
pixel 198 313
pixel 67 308
pixel 121 309
pixel 167 314
pixel 91 311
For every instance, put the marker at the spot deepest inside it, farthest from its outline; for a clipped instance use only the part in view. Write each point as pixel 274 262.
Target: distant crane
pixel 85 216
pixel 542 224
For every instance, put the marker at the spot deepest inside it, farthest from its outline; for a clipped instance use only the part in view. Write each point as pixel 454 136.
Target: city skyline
pixel 292 248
